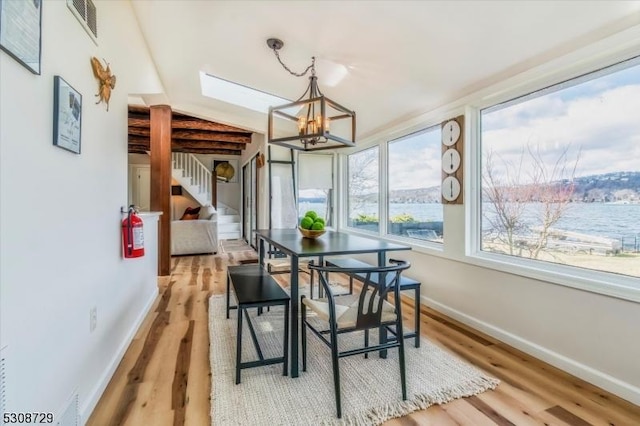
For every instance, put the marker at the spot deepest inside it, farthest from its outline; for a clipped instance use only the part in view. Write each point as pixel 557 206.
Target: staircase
pixel 228 223
pixel 195 178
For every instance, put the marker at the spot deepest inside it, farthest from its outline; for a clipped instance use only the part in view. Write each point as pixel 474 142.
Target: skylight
pixel 237 94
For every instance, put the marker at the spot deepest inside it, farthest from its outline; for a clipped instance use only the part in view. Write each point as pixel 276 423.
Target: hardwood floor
pixel 164 377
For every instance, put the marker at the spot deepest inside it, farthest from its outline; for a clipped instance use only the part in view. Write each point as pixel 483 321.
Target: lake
pixel 602 219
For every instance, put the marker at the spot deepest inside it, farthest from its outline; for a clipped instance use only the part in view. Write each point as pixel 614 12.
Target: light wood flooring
pixel 164 377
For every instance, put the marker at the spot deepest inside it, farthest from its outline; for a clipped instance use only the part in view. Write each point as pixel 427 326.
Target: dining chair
pixel 340 314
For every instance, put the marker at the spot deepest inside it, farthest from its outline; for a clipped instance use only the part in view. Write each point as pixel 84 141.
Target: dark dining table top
pixel 331 243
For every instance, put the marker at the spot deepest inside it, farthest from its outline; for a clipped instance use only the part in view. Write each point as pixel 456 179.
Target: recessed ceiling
pixel 387 60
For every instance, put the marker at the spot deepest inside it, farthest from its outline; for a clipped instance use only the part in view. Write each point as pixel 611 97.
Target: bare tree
pixel 363 177
pixel 548 187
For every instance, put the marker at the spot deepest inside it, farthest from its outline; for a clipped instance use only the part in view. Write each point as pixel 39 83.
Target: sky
pixel 598 120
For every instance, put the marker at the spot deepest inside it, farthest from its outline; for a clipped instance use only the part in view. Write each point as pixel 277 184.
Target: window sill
pixel 430 248
pixel 605 283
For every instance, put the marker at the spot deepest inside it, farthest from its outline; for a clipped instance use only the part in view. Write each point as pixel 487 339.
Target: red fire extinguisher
pixel 132 235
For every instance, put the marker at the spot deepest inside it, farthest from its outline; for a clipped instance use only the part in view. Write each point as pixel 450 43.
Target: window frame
pixel 347 194
pixel 386 207
pixel 601 282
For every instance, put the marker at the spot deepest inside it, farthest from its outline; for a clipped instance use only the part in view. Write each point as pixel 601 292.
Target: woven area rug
pixel 371 392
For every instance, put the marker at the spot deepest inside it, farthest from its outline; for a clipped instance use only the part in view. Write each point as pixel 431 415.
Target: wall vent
pixel 3 380
pixel 69 416
pixel 87 14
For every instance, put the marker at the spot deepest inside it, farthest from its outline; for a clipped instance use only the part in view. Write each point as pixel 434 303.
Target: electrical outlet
pixel 93 319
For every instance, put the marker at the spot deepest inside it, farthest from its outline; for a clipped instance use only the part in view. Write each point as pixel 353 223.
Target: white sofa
pixel 195 236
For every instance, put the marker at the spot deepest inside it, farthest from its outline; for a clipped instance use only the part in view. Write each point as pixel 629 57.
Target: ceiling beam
pixel 141 121
pixel 186 143
pixel 197 135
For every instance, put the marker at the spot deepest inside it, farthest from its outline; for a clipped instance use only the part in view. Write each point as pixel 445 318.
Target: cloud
pixel 604 127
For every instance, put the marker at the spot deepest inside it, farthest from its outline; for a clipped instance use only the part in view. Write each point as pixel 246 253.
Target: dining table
pixel 332 243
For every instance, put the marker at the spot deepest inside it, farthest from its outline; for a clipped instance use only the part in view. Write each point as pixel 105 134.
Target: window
pixel 415 173
pixel 316 185
pixel 561 175
pixel 363 187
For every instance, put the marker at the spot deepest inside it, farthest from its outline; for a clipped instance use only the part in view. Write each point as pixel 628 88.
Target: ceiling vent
pixel 86 13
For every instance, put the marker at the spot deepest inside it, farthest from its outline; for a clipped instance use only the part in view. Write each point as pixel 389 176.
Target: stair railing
pixel 194 169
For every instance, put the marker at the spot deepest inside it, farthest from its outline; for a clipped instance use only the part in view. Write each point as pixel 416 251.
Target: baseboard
pixel 94 396
pixel 596 377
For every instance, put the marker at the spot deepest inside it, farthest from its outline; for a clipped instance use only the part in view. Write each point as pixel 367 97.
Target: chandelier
pixel 313 122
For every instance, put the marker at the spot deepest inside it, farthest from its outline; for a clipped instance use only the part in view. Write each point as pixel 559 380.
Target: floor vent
pixel 69 417
pixel 87 14
pixel 3 380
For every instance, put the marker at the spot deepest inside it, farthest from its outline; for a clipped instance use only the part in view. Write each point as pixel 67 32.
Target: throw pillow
pixel 191 213
pixel 207 212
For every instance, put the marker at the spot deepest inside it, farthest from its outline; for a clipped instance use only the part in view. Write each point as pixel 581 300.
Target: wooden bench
pixel 255 288
pixel 406 283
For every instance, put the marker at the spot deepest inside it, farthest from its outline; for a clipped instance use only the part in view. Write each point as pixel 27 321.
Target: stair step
pixel 228 227
pixel 229 235
pixel 228 218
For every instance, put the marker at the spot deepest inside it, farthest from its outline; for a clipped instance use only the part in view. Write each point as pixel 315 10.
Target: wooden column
pixel 161 181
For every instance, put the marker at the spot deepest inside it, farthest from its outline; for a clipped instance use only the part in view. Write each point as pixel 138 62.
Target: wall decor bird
pixel 106 80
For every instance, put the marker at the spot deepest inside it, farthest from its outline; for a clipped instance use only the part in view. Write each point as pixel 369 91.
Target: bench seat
pixel 406 283
pixel 255 288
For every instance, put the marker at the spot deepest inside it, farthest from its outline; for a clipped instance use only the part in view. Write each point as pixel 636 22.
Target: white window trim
pixel 595 281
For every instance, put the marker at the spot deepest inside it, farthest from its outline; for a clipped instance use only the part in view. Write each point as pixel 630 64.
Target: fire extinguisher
pixel 132 235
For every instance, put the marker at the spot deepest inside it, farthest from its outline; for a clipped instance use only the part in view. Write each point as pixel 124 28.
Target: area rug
pixel 230 246
pixel 371 392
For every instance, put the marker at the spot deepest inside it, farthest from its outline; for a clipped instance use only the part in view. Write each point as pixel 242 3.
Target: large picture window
pixel 363 186
pixel 415 173
pixel 561 173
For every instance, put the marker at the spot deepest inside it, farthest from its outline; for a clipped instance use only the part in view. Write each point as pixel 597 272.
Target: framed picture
pixel 67 115
pixel 226 170
pixel 21 31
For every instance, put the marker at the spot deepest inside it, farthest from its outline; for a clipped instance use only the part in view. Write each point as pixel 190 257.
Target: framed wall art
pixel 21 31
pixel 67 115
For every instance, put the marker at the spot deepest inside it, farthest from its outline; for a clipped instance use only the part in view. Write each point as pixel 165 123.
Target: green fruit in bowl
pixel 306 223
pixel 317 226
pixel 319 219
pixel 313 215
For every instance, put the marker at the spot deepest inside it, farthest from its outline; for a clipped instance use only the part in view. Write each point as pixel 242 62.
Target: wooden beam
pixel 160 134
pixel 205 136
pixel 197 135
pixel 186 143
pixel 141 120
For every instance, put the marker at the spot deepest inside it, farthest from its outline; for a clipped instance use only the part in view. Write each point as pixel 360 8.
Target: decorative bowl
pixel 310 233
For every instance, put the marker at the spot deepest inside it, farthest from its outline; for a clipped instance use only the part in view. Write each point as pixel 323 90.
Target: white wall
pixel 60 221
pixel 228 192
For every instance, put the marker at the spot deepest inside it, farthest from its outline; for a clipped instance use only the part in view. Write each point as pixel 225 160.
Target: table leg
pixel 295 301
pixel 261 252
pixel 383 330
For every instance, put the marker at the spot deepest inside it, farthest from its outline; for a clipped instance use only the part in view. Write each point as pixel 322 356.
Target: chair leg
pixel 311 284
pixel 239 345
pixel 350 284
pixel 403 375
pixel 366 342
pixel 416 303
pixel 303 331
pixel 336 369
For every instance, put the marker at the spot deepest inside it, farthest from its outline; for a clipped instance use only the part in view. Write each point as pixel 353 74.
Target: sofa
pixel 195 236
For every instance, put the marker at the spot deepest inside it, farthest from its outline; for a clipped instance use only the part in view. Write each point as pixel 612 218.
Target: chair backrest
pixel 377 283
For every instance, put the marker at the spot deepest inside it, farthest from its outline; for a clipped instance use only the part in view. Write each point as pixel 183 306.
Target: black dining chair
pixel 357 312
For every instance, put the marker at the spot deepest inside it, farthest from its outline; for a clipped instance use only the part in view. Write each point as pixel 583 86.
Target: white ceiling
pixel 403 58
